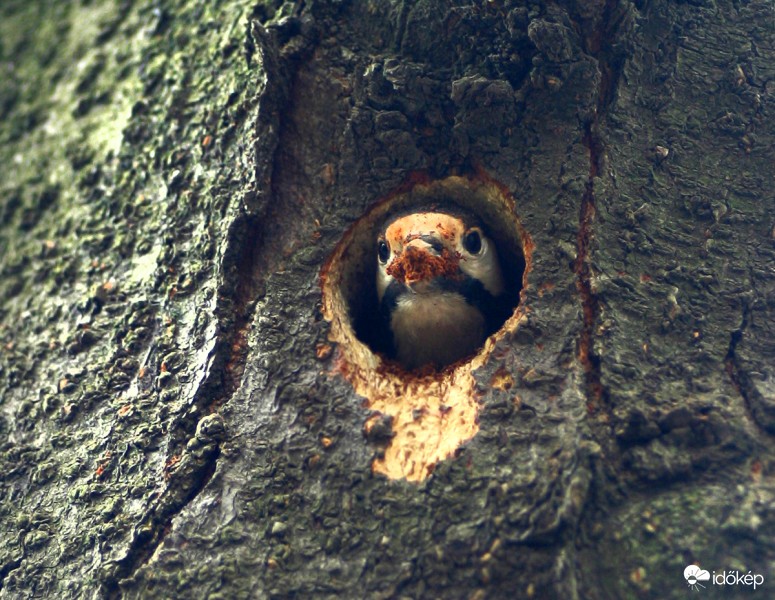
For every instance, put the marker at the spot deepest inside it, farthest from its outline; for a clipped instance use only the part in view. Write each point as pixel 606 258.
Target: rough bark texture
pixel 174 177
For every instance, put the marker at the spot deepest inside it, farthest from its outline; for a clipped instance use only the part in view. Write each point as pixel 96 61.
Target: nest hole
pixel 349 278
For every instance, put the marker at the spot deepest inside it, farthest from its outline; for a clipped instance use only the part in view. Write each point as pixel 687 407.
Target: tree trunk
pixel 189 408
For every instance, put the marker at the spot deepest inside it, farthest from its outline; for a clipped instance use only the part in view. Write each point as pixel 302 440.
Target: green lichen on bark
pixel 125 165
pixel 175 175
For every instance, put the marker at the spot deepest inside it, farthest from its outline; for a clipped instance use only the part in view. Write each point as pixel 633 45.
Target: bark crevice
pixel 196 435
pixel 7 568
pixel 589 300
pixel 598 43
pixel 738 375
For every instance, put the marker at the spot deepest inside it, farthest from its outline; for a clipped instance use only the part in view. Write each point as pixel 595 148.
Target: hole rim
pixel 488 199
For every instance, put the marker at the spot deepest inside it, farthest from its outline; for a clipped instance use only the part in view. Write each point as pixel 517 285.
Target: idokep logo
pixel 695 577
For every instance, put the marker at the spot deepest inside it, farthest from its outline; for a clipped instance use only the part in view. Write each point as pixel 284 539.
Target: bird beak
pixel 429 243
pixel 421 258
pixel 424 248
pixel 421 248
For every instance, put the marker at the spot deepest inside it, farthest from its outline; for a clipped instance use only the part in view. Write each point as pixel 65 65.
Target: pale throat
pixel 435 328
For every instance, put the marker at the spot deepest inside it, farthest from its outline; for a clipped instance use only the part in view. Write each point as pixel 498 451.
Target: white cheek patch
pixel 383 280
pixel 485 268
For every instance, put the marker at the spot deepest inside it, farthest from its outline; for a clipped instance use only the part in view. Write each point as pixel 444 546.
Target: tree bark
pixel 179 415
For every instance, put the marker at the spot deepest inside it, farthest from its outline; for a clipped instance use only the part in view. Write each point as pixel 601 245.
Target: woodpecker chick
pixel 439 284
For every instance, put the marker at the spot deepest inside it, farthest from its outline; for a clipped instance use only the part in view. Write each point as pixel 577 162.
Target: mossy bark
pixel 174 177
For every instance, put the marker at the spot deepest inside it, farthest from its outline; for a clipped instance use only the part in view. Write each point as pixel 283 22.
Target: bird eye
pixel 383 251
pixel 472 241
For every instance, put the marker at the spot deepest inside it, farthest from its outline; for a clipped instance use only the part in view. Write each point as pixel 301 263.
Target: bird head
pixel 433 250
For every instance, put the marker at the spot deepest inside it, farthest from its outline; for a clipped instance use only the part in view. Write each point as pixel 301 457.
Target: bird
pixel 440 285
